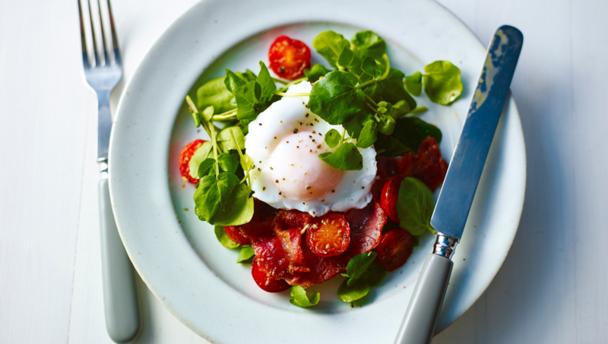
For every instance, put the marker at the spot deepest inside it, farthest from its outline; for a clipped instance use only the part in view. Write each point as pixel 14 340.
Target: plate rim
pixel 147 60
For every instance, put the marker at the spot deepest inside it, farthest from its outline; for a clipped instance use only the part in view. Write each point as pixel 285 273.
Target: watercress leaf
pixel 300 297
pixel 267 85
pixel 369 43
pixel 207 113
pixel 231 138
pixel 330 45
pixel 233 80
pixel 237 209
pixel 205 168
pixel 419 110
pixel 442 82
pixel 211 192
pixel 391 89
pixel 214 93
pixel 246 253
pixel 316 72
pixel 224 239
pixel 358 266
pixel 200 154
pixel 415 206
pixel 408 133
pixel 246 96
pixel 413 83
pixel 345 157
pixel 354 125
pixel 332 138
pixel 369 68
pixel 229 161
pixel 367 137
pixel 351 293
pixel 336 97
pixel 222 200
pixel 386 125
pixel 346 58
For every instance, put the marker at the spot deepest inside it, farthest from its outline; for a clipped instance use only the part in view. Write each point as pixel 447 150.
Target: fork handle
pixel 120 300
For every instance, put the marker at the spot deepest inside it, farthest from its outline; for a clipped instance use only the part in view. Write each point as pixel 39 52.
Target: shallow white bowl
pixel 178 256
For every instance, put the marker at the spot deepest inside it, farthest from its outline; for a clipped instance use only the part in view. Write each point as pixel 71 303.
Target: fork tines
pixel 93 54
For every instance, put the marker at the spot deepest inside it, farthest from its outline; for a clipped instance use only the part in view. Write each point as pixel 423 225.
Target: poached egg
pixel 284 142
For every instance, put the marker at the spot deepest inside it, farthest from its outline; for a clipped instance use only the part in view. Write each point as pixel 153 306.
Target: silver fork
pixel 103 70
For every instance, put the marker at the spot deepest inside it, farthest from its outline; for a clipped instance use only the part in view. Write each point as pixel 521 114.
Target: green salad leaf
pixel 442 82
pixel 345 157
pixel 409 132
pixel 316 72
pixel 336 98
pixel 301 298
pixel 214 93
pixel 331 45
pixel 229 161
pixel 368 43
pixel 415 206
pixel 246 254
pixel 224 239
pixel 362 274
pixel 200 154
pixel 332 138
pixel 231 138
pixel 413 83
pixel 367 136
pixel 252 93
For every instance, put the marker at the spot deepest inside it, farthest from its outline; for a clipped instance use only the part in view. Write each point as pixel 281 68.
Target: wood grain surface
pixel 551 289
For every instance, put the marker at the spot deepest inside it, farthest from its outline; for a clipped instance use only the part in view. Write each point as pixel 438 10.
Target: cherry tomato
pixel 328 235
pixel 289 57
pixel 389 196
pixel 395 248
pixel 184 159
pixel 401 165
pixel 429 165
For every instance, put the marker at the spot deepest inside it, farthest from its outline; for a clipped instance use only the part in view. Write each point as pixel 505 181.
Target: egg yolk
pixel 297 170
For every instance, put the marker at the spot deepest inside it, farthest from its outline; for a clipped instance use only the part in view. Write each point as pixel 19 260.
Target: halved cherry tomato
pixel 402 165
pixel 389 196
pixel 264 279
pixel 184 159
pixel 328 235
pixel 365 228
pixel 236 234
pixel 395 248
pixel 288 57
pixel 430 166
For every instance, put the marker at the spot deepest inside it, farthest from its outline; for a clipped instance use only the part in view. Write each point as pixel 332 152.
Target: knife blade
pixel 466 166
pixel 462 177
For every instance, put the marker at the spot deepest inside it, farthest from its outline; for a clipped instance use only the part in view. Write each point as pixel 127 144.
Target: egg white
pixel 281 119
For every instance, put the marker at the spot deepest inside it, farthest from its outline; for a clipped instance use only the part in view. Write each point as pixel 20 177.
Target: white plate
pixel 178 256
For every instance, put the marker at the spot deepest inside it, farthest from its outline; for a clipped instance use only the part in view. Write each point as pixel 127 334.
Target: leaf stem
pixel 225 116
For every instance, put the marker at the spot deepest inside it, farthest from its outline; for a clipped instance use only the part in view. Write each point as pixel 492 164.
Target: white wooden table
pixel 552 288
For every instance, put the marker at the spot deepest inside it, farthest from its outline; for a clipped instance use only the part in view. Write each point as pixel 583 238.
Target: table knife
pixel 463 174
